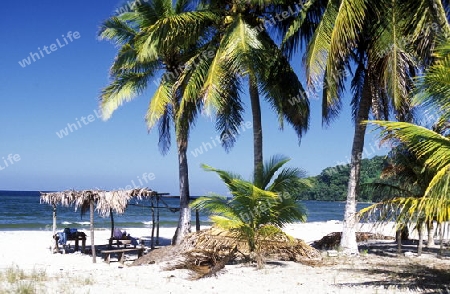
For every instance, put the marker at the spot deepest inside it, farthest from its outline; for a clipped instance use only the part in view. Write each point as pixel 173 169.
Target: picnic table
pixel 76 237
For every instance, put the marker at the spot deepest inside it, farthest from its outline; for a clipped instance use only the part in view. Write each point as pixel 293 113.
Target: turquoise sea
pixel 22 210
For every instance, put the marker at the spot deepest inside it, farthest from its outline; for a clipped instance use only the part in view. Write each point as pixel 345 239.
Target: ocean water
pixel 22 210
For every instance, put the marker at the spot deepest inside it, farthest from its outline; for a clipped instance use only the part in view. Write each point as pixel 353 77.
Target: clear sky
pixel 58 89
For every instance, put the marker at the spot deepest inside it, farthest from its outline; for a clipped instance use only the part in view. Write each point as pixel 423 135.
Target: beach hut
pixel 105 202
pixel 64 198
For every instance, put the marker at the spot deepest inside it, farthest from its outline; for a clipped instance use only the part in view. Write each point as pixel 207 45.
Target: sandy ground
pixel 377 270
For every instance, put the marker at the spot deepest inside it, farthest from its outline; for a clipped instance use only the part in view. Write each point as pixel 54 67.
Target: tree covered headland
pixel 331 183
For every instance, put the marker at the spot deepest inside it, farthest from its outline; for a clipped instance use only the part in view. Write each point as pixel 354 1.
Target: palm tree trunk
pixel 398 237
pixel 91 210
pixel 348 239
pixel 184 221
pixel 420 244
pixel 430 231
pixel 257 127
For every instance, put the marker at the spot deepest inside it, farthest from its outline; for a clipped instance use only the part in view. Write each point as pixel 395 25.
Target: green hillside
pixel 331 183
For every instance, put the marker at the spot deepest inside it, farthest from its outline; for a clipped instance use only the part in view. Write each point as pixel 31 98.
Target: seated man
pixel 119 235
pixel 122 235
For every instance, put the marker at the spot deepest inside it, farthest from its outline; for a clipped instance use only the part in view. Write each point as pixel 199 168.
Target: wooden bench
pixel 120 253
pixel 118 242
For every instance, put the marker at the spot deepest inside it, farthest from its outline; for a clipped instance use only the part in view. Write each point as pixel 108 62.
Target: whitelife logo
pixel 35 56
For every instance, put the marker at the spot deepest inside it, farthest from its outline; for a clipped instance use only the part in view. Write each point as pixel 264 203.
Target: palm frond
pixel 319 46
pixel 116 30
pixel 303 25
pixel 168 33
pixel 158 104
pixel 281 87
pixel 434 86
pixel 436 202
pixel 426 144
pixel 270 168
pixel 122 89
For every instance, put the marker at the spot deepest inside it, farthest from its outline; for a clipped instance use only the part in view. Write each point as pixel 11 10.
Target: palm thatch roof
pixel 106 201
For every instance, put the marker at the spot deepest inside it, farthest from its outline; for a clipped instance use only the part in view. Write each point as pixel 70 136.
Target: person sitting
pixel 119 235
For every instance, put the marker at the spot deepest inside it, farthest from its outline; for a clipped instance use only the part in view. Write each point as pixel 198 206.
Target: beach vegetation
pixel 385 45
pixel 17 280
pixel 25 287
pixel 258 209
pixel 14 274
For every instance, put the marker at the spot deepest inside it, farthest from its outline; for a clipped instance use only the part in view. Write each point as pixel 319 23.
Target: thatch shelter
pixel 105 202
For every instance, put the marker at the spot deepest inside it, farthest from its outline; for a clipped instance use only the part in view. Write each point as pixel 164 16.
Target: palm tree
pixel 385 53
pixel 244 53
pixel 403 180
pixel 257 210
pixel 147 46
pixel 430 146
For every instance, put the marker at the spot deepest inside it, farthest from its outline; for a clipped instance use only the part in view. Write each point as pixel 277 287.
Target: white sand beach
pixel 76 273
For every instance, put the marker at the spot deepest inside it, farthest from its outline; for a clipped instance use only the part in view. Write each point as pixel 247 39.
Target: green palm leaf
pixel 159 103
pixel 123 89
pixel 434 149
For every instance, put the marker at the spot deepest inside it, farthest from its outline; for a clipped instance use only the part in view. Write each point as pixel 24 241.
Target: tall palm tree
pixel 385 43
pixel 257 211
pixel 403 181
pixel 430 146
pixel 147 47
pixel 245 53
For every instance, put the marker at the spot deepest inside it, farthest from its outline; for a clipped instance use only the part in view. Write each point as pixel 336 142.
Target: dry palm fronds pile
pixel 280 246
pixel 333 240
pixel 208 251
pixel 205 263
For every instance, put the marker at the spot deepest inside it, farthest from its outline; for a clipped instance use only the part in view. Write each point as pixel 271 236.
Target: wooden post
pixel 197 220
pixel 112 221
pixel 54 219
pixel 54 243
pixel 152 207
pixel 92 229
pixel 157 219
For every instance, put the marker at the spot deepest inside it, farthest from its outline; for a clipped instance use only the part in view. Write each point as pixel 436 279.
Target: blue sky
pixel 60 89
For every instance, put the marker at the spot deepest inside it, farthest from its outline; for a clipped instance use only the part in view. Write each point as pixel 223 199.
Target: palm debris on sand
pixel 208 251
pixel 333 240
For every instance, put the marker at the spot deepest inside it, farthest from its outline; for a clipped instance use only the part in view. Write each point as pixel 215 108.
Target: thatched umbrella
pixel 117 201
pixel 104 201
pixel 65 198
